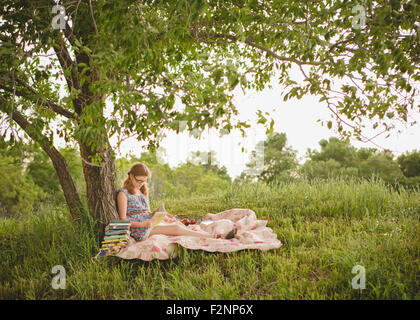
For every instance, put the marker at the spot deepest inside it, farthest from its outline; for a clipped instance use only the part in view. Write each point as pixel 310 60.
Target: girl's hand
pixel 147 223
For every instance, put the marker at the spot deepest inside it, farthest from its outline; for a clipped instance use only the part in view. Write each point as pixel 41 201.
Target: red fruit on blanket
pixel 188 222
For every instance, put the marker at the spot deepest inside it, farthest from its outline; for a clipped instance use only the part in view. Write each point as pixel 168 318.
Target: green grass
pixel 326 228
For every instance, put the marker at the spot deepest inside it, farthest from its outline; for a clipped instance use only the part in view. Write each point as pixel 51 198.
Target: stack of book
pixel 117 235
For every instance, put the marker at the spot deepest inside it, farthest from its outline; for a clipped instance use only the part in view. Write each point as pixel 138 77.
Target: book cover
pixel 161 208
pixel 122 225
pixel 112 228
pixel 105 247
pixel 117 232
pixel 114 241
pixel 119 221
pixel 120 236
pixel 125 225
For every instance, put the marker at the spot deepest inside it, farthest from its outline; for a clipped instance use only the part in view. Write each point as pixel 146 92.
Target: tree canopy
pixel 119 67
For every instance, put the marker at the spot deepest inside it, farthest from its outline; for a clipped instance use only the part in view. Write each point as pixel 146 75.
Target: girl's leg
pixel 178 230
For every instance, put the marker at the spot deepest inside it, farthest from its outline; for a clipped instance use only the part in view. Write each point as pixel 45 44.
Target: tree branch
pixel 94 25
pixel 52 105
pixel 205 36
pixel 66 62
pixel 57 159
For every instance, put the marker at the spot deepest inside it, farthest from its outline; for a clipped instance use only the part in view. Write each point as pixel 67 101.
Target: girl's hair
pixel 137 169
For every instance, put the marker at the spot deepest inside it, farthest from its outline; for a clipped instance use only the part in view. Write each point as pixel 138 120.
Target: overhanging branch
pixel 32 95
pixel 249 41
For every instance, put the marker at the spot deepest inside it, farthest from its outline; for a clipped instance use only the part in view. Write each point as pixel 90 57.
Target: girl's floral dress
pixel 137 210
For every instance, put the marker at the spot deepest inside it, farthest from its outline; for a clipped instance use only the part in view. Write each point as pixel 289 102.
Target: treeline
pixel 337 158
pixel 28 178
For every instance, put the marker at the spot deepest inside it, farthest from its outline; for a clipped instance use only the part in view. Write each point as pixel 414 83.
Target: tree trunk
pixel 66 181
pixel 69 189
pixel 100 179
pixel 100 184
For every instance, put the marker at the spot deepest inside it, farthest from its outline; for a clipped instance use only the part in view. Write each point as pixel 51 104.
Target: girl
pixel 133 204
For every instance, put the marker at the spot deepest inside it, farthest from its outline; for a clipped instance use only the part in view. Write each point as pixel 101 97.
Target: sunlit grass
pixel 326 228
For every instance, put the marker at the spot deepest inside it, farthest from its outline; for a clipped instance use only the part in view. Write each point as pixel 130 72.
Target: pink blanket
pixel 252 234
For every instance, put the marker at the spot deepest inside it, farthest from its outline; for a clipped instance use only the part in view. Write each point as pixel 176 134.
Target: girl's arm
pixel 122 212
pixel 148 204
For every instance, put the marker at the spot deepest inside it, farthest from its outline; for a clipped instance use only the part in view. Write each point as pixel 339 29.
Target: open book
pixel 161 208
pixel 156 219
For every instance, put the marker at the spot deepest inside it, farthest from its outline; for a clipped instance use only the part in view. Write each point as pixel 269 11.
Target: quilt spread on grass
pixel 252 234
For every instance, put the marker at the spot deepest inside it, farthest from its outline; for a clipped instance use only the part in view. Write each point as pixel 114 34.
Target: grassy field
pixel 326 229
